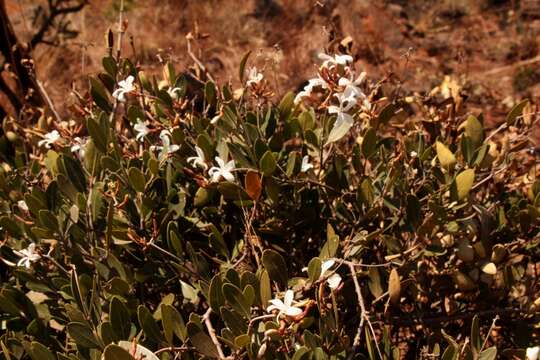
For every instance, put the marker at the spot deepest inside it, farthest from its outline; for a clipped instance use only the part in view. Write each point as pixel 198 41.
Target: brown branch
pixel 173 349
pixel 212 332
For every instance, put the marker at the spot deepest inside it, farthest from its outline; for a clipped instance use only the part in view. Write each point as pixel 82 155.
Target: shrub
pixel 172 218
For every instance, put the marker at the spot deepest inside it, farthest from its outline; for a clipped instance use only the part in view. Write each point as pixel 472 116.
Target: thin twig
pixel 257 318
pixel 173 349
pixel 196 60
pixel 358 337
pixel 489 332
pixel 363 315
pixel 212 332
pixel 48 100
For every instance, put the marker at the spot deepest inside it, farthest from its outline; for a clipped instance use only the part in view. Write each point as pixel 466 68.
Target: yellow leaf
pixel 474 130
pixel 464 183
pixel 489 268
pixel 394 287
pixel 446 158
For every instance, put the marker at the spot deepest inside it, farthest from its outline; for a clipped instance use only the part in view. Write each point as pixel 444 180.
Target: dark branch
pixel 54 11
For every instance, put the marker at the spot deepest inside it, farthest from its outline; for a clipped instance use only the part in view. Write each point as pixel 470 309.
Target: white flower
pixel 305 164
pixel 28 256
pixel 332 279
pixel 167 148
pixel 141 129
pixel 413 154
pixel 346 102
pixel 22 205
pixel 223 170
pixel 215 119
pixel 308 89
pixel 254 77
pixel 532 353
pixel 286 306
pixel 329 61
pixel 124 87
pixel 174 92
pixel 352 85
pixel 49 138
pixel 78 147
pixel 198 160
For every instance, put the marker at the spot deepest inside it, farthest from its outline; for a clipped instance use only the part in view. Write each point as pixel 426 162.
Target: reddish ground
pixel 489 47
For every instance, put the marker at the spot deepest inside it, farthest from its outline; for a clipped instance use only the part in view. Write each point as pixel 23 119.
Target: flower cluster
pixel 337 75
pixel 223 170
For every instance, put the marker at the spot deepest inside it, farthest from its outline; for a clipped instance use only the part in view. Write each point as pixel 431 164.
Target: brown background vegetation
pixel 489 47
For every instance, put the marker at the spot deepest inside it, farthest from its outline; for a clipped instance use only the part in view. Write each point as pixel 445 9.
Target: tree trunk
pixel 17 56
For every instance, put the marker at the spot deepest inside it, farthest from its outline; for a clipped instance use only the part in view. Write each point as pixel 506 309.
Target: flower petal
pixel 326 265
pixel 288 298
pixel 334 281
pixel 293 311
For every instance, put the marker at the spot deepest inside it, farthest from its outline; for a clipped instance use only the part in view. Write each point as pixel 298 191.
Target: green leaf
pixel 39 352
pixel 265 288
pixel 99 95
pixel 476 341
pixel 109 64
pixel 120 319
pixel 82 335
pixel 268 164
pixel 276 266
pixel 47 219
pixel 338 131
pixel 329 249
pixel 474 130
pixel 365 194
pixel 302 353
pixel 286 105
pixel 516 111
pixel 75 173
pixel 215 293
pixel 488 354
pixel 136 179
pixel 414 211
pixel 115 352
pixel 242 340
pixel 314 269
pixel 369 143
pixel 189 292
pixel 10 226
pixel 97 134
pixel 201 341
pixel 148 324
pixel 217 242
pixel 172 323
pixel 106 333
pixel 210 92
pixel 234 321
pixel 463 183
pixel 242 68
pixel 445 156
pixel 231 191
pixel 452 351
pixel 236 299
pixel 386 114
